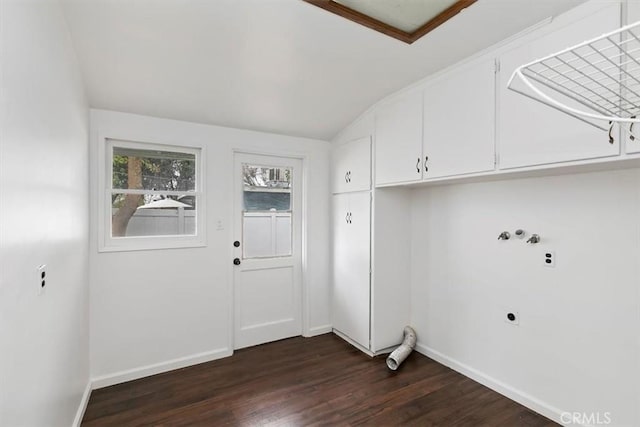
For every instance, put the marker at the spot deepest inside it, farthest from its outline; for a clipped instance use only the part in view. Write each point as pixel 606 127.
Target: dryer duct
pixel 399 354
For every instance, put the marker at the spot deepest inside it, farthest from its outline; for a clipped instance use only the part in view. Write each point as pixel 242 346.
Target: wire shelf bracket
pixel 601 76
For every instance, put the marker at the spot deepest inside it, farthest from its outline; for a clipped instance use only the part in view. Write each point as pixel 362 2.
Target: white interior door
pixel 267 249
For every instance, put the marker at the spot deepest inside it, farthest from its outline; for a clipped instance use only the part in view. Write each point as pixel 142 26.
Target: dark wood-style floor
pixel 306 381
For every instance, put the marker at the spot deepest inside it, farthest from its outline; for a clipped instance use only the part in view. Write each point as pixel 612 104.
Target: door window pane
pixel 267 228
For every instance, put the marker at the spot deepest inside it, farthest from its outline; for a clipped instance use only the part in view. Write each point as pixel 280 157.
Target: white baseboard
pixel 387 350
pixel 83 405
pixel 353 343
pixel 157 368
pixel 522 398
pixel 318 330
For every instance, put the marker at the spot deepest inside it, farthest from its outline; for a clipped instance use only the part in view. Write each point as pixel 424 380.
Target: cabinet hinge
pixel 496 66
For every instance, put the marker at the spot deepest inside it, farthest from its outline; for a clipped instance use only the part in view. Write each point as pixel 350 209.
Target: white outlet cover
pixel 552 264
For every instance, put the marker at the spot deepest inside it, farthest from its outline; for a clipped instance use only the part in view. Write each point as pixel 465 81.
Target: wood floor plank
pixel 305 382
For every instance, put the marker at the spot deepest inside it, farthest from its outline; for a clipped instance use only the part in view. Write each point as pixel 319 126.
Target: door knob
pixel 236 261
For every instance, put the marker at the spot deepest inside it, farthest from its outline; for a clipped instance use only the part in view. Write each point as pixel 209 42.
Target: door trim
pixel 304 291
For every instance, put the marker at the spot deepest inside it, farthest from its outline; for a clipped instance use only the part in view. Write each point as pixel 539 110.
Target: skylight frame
pixel 389 30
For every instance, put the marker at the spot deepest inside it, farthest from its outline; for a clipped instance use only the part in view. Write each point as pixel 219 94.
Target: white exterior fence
pixel 265 234
pixel 161 222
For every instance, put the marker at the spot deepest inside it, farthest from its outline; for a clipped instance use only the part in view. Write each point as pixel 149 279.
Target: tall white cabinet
pixel 370 283
pixel 351 265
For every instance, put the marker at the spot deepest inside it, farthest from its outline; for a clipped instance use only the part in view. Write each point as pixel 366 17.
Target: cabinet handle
pixel 349 176
pixel 611 140
pixel 426 158
pixel 631 137
pixel 350 218
pixel 346 177
pixel 418 165
pixel 346 218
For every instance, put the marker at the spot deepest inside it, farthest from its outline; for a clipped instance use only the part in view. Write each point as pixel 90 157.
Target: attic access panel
pixel 405 20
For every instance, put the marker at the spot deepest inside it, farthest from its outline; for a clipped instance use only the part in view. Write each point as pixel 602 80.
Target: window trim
pixel 106 242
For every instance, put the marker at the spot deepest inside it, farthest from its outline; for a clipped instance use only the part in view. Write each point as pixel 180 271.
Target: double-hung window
pixel 153 196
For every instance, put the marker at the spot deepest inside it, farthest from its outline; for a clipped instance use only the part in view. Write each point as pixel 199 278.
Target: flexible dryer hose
pixel 399 354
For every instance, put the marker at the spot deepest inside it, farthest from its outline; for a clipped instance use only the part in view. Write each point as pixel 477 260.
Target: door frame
pixel 304 292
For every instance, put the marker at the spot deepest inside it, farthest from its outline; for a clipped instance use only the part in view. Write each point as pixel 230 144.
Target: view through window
pixel 153 192
pixel 266 221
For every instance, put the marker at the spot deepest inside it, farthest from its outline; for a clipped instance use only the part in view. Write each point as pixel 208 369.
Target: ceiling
pixel 281 66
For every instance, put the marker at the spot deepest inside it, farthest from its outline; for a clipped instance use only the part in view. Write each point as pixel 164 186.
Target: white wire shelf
pixel 602 75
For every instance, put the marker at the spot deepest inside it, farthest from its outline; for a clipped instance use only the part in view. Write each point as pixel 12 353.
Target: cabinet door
pixel 398 141
pixel 351 264
pixel 459 121
pixel 341 270
pixel 632 144
pixel 340 167
pixel 352 166
pixel 530 133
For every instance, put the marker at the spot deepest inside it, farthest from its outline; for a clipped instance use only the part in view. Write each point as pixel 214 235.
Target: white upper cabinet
pixel 633 143
pixel 352 166
pixel 459 121
pixel 530 133
pixel 398 140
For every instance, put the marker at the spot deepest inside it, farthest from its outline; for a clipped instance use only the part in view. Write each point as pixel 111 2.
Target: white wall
pixel 44 340
pixel 363 126
pixel 156 310
pixel 577 346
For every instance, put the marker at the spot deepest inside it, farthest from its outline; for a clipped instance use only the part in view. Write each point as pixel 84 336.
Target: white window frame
pixel 107 243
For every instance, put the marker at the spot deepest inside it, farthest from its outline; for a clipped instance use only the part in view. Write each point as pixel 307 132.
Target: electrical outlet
pixel 42 278
pixel 549 259
pixel 512 317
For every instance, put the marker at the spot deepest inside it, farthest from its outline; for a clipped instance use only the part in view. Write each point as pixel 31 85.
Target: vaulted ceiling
pixel 280 66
